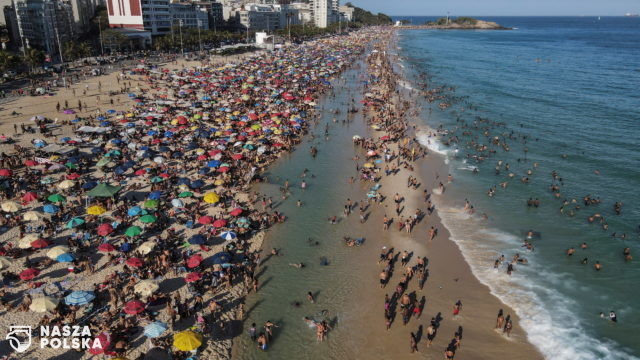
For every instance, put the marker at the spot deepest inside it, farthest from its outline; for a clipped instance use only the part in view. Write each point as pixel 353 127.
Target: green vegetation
pixel 462 20
pixel 191 38
pixel 365 17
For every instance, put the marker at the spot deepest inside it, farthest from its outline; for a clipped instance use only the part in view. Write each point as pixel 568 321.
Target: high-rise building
pixel 155 16
pixel 324 12
pixel 44 24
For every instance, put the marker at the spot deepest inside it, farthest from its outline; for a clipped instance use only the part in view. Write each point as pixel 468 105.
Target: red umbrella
pixel 134 307
pixel 30 196
pixel 39 243
pixel 6 172
pixel 31 163
pixel 386 137
pixel 236 212
pixel 236 156
pixel 165 175
pixel 194 276
pixel 100 344
pixel 134 261
pixel 106 247
pixel 214 152
pixel 202 157
pixel 105 229
pixel 204 220
pixel 223 169
pixel 194 261
pixel 140 172
pixel 220 223
pixel 73 176
pixel 29 274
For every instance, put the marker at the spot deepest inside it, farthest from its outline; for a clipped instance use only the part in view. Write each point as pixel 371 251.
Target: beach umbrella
pixel 157 353
pixel 134 211
pixel 96 210
pixel 100 344
pixel 56 198
pixel 56 167
pixel 106 247
pixel 104 229
pixel 5 262
pixel 211 198
pixel 134 307
pixel 187 340
pixel 140 172
pixel 88 185
pixel 10 206
pixel 134 261
pixel 76 221
pixel 185 194
pixel 102 162
pixel 146 247
pixel 73 176
pixel 221 258
pixel 31 163
pixel 133 231
pixel 67 257
pixel 66 184
pixel 194 276
pixel 31 216
pixel 6 172
pixel 205 220
pixel 25 241
pixel 155 195
pixel 104 190
pixel 220 223
pixel 196 184
pixel 368 165
pixel 56 251
pixel 29 196
pixel 151 204
pixel 236 212
pixel 197 239
pixel 43 304
pixel 228 235
pixel 155 329
pixel 148 219
pixel 146 287
pixel 177 203
pixel 77 298
pixel 39 244
pixel 29 274
pixel 71 165
pixel 194 261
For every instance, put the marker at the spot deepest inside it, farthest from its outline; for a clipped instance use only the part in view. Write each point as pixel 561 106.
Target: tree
pixel 8 60
pixel 34 58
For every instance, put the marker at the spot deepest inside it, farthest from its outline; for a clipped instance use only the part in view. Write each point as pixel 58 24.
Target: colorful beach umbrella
pixel 228 235
pixel 134 261
pixel 29 274
pixel 106 247
pixel 96 210
pixel 133 231
pixel 77 298
pixel 134 307
pixel 187 340
pixel 155 329
pixel 43 304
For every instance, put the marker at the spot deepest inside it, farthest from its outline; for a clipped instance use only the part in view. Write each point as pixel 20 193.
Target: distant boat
pixel 631 15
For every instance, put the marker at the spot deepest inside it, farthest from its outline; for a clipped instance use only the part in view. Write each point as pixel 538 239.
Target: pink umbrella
pixel 134 307
pixel 6 172
pixel 30 196
pixel 220 223
pixel 29 274
pixel 106 248
pixel 204 220
pixel 236 212
pixel 100 344
pixel 105 229
pixel 194 261
pixel 39 243
pixel 194 276
pixel 134 261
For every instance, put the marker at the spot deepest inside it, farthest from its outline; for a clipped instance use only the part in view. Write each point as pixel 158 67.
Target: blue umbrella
pixel 116 141
pixel 196 184
pixel 129 163
pixel 126 247
pixel 50 209
pixel 97 150
pixel 213 163
pixel 100 118
pixel 151 132
pixel 119 170
pixel 221 258
pixel 79 298
pixel 111 111
pixel 177 155
pixel 104 123
pixel 155 329
pixel 228 235
pixel 66 257
pixel 197 239
pixel 183 181
pixel 134 211
pixel 155 195
pixel 204 170
pixel 89 185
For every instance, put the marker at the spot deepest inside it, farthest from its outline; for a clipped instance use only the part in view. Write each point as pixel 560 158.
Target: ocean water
pixel 564 93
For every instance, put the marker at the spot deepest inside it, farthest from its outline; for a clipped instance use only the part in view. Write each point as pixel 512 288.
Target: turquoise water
pixel 571 86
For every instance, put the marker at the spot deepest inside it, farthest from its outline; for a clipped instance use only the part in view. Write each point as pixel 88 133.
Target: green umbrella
pixel 185 194
pixel 147 219
pixel 104 161
pixel 56 198
pixel 71 165
pixel 76 221
pixel 151 204
pixel 104 190
pixel 156 179
pixel 133 231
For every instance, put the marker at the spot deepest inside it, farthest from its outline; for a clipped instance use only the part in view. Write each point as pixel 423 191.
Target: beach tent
pixel 104 190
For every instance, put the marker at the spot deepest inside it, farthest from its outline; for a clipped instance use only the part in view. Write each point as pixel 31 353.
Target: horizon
pixel 614 8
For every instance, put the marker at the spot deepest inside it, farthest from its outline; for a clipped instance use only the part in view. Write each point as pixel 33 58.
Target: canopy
pixel 104 190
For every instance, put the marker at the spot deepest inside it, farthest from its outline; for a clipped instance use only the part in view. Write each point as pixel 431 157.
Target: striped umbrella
pixel 228 235
pixel 79 298
pixel 155 329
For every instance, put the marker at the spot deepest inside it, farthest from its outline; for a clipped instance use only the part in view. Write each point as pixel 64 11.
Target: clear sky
pixel 500 7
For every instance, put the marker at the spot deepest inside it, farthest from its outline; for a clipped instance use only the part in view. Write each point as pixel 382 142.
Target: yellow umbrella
pixel 187 340
pixel 57 251
pixel 5 262
pixel 96 210
pixel 146 287
pixel 25 242
pixel 43 304
pixel 369 165
pixel 218 182
pixel 375 127
pixel 31 216
pixel 211 198
pixel 10 206
pixel 66 184
pixel 146 247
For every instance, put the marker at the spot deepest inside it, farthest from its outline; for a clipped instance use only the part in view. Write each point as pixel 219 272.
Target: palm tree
pixel 7 60
pixel 34 58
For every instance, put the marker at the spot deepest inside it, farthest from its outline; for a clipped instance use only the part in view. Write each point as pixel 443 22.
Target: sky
pixel 500 7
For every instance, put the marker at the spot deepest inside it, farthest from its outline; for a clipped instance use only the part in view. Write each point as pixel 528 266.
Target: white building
pixel 44 24
pixel 255 17
pixel 346 13
pixel 324 12
pixel 155 16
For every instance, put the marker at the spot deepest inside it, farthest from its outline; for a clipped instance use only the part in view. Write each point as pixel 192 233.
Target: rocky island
pixel 460 23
